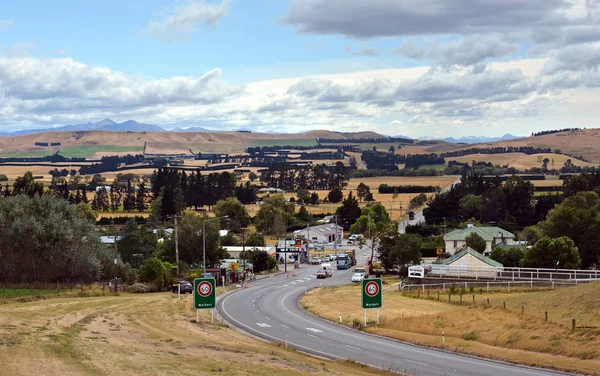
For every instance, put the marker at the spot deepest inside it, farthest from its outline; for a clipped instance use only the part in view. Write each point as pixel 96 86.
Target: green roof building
pixel 455 240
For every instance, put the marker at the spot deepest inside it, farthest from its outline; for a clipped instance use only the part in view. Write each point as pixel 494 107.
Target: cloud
pixel 396 122
pixel 363 52
pixel 20 49
pixel 467 51
pixel 182 21
pixel 5 24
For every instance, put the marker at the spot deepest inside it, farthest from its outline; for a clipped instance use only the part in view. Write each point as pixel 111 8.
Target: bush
pixel 139 288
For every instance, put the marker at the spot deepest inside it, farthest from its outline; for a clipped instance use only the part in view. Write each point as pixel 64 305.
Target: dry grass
pixel 151 334
pixel 519 160
pixel 489 331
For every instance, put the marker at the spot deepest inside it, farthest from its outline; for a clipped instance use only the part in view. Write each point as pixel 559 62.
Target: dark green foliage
pixel 552 253
pixel 508 257
pixel 349 212
pixel 384 188
pixel 255 239
pixel 335 195
pixel 475 242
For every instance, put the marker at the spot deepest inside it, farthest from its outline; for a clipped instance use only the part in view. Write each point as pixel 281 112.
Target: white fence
pixel 507 273
pixel 508 285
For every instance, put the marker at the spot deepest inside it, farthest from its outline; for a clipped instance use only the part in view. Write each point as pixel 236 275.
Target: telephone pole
pixel 177 249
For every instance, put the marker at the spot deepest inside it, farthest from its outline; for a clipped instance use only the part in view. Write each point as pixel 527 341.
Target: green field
pixel 18 293
pixel 438 167
pixel 88 151
pixel 294 142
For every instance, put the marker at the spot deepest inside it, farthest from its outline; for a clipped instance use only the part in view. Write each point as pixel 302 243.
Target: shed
pixel 470 263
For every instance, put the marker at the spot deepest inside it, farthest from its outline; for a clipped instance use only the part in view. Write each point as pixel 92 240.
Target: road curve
pixel 270 309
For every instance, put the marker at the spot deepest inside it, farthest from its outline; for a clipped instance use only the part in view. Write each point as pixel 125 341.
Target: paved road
pixel 270 309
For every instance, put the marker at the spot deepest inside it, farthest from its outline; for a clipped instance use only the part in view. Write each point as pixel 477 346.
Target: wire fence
pixel 17 292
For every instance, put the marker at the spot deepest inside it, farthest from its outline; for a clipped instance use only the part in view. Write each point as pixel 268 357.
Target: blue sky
pixel 440 69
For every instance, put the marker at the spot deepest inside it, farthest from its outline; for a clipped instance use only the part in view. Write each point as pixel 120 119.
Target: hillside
pixel 102 142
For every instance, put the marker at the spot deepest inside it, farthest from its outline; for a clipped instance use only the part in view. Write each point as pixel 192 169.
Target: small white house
pixel 468 263
pixel 323 234
pixel 456 240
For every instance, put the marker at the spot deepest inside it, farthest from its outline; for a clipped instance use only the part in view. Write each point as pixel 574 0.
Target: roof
pixel 508 246
pixel 488 233
pixel 109 239
pixel 473 253
pixel 326 229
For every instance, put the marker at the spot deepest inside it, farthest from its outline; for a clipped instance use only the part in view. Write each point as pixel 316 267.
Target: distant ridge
pixel 473 139
pixel 103 125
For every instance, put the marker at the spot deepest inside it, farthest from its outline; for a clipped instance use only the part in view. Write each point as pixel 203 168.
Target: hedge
pixel 386 189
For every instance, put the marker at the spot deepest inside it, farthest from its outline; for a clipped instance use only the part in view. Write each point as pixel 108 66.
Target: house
pixel 236 251
pixel 467 263
pixel 322 234
pixel 455 240
pixel 326 219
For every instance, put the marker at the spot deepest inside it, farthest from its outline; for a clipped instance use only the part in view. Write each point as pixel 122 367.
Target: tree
pixel 399 250
pixel 362 190
pixel 140 198
pixel 97 180
pixel 552 253
pixel 471 206
pixel 335 195
pixel 349 212
pixel 510 257
pixel 418 201
pixel 545 162
pixel 303 215
pixel 135 245
pixel 303 196
pixel 237 215
pixel 314 198
pixel 25 185
pixel 255 240
pixel 533 234
pixel 155 271
pixel 475 242
pixel 260 261
pixel 577 218
pixel 85 210
pixel 100 201
pixel 252 176
pixel 45 239
pixel 274 215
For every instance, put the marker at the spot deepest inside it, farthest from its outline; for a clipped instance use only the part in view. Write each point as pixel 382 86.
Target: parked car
pixel 354 238
pixel 322 274
pixel 358 277
pixel 186 287
pixel 315 261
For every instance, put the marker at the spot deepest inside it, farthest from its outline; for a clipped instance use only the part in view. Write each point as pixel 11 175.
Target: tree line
pixel 293 178
pixel 110 163
pixel 496 150
pixel 378 140
pixel 533 134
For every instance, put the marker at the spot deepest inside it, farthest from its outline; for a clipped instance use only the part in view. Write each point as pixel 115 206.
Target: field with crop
pixel 520 160
pixel 479 329
pixel 291 142
pixel 97 151
pixel 151 334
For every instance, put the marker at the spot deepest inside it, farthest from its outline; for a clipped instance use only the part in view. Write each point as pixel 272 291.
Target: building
pixel 467 263
pixel 236 251
pixel 271 190
pixel 456 240
pixel 322 234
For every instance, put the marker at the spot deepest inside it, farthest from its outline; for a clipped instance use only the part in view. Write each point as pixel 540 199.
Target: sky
pixel 433 68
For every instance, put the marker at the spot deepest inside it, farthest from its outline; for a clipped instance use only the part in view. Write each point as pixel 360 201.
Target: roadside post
pixel 204 296
pixel 371 296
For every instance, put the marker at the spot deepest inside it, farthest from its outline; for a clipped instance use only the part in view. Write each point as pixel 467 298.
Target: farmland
pixel 291 142
pixel 490 331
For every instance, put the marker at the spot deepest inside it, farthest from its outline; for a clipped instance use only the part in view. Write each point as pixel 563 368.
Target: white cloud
pixel 363 52
pixel 396 122
pixel 182 21
pixel 5 24
pixel 20 49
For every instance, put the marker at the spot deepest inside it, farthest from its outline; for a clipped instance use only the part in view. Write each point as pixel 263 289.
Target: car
pixel 322 274
pixel 186 287
pixel 358 277
pixel 315 261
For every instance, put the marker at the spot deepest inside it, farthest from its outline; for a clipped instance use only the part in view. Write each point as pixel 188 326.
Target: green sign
pixel 371 293
pixel 205 293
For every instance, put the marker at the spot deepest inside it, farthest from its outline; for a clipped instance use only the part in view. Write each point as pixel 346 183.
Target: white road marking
pixel 285 326
pixel 267 318
pixel 263 325
pixel 314 330
pixel 412 361
pixel 310 335
pixel 293 283
pixel 355 348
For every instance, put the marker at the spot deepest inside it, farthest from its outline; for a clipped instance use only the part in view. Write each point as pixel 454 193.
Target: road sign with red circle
pixel 371 293
pixel 204 293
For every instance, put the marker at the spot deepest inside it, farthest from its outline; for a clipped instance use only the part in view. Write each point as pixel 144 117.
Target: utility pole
pixel 177 249
pixel 307 239
pixel 335 236
pixel 115 255
pixel 244 248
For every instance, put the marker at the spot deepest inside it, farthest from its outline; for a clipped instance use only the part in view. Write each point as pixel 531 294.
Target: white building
pixel 467 263
pixel 236 251
pixel 456 240
pixel 322 234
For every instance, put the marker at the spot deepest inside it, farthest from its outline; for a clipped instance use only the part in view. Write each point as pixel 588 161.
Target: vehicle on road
pixel 354 238
pixel 357 277
pixel 186 287
pixel 362 270
pixel 322 274
pixel 327 268
pixel 315 261
pixel 327 258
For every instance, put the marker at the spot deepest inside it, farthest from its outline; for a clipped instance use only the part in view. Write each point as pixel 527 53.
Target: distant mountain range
pixel 472 139
pixel 102 125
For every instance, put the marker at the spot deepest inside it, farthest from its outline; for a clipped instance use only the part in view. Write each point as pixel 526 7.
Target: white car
pixel 315 261
pixel 358 277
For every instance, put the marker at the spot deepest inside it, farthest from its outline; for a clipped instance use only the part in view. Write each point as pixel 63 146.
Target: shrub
pixel 471 336
pixel 139 288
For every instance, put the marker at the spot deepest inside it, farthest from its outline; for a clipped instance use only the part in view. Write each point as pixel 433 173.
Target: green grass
pixel 25 154
pixel 294 142
pixel 438 167
pixel 19 293
pixel 88 151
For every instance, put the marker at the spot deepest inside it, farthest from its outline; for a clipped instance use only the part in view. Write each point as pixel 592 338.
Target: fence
pixel 509 273
pixel 31 291
pixel 468 285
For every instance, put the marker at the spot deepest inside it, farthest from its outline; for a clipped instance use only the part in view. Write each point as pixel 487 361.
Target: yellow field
pixel 483 330
pixel 547 183
pixel 146 334
pixel 519 160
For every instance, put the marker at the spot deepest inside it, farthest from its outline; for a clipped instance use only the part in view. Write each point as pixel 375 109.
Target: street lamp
pixel 204 241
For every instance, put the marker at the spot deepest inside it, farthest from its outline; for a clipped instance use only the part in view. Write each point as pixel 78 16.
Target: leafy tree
pixel 362 190
pixel 303 196
pixel 252 176
pixel 25 185
pixel 418 201
pixel 314 198
pixel 475 242
pixel 255 240
pixel 129 202
pixel 229 240
pixel 85 210
pixel 471 206
pixel 399 250
pixel 45 239
pixel 135 245
pixel 140 198
pixel 335 195
pixel 552 253
pixel 155 271
pixel 260 261
pixel 533 234
pixel 274 215
pixel 100 201
pixel 577 218
pixel 237 215
pixel 510 257
pixel 349 212
pixel 303 215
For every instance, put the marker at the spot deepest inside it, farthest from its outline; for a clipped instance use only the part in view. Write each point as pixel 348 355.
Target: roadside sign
pixel 204 293
pixel 371 293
